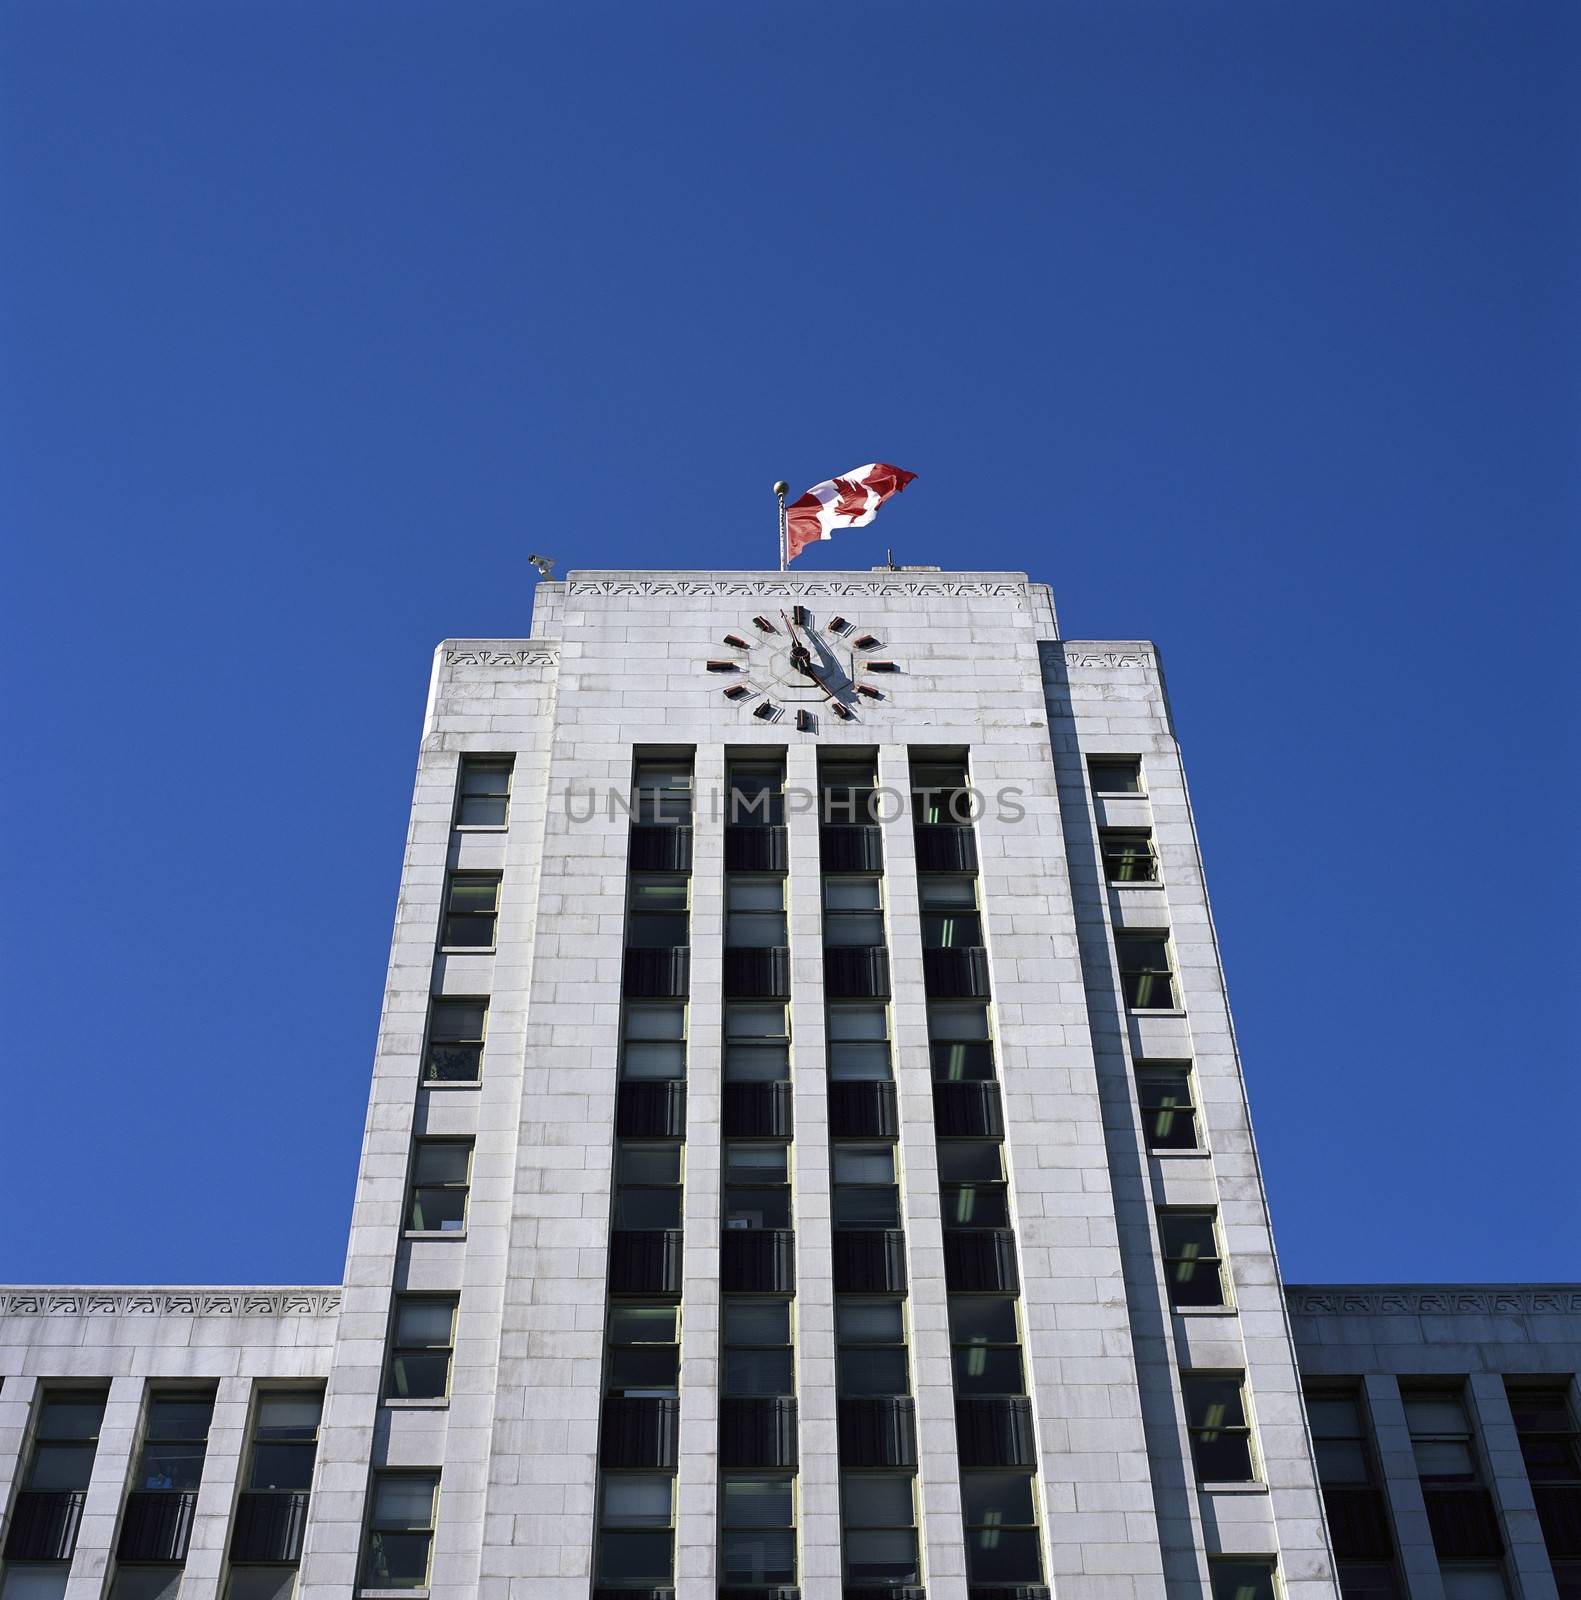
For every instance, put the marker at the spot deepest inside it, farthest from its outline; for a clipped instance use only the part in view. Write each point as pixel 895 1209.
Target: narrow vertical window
pixel 1146 979
pixel 400 1530
pixel 1221 1438
pixel 421 1347
pixel 1169 1112
pixel 441 1184
pixel 484 796
pixel 1193 1266
pixel 455 1041
pixel 472 907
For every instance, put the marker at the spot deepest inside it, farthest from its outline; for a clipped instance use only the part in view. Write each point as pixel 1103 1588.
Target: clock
pixel 789 665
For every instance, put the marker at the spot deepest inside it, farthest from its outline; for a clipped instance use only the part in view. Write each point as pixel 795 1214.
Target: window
pixel 1145 978
pixel 423 1342
pixel 35 1583
pixel 759 1528
pixel 985 1345
pixel 441 1182
pixel 1466 1580
pixel 1128 855
pixel 757 1042
pixel 972 1184
pixel 1339 1439
pixel 1367 1580
pixel 285 1441
pixel 1001 1528
pixel 485 795
pixel 757 794
pixel 858 1043
pixel 1242 1577
pixel 1440 1436
pixel 940 793
pixel 878 1512
pixel 1546 1427
pixel 755 913
pixel 656 916
pixel 950 919
pixel 1169 1117
pixel 757 1348
pixel 758 1521
pixel 400 1530
pixel 849 792
pixel 647 1185
pixel 175 1441
pixel 261 1583
pixel 653 1040
pixel 872 1347
pixel 853 912
pixel 146 1583
pixel 472 908
pixel 661 792
pixel 960 1044
pixel 1221 1440
pixel 1115 775
pixel 455 1041
pixel 757 1186
pixel 865 1193
pixel 66 1438
pixel 644 1359
pixel 636 1530
pixel 1193 1268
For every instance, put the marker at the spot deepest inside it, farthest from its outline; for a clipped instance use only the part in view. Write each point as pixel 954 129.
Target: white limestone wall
pixel 486 697
pixel 1108 698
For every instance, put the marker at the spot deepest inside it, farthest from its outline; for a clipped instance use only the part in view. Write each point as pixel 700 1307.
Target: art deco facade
pixel 807 1156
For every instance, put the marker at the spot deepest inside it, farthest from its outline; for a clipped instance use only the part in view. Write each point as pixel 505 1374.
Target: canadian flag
pixel 848 502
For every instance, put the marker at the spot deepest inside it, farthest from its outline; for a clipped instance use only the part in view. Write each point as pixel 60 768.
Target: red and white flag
pixel 848 502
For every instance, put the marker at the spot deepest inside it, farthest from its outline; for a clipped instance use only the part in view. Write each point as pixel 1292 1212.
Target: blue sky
pixel 1252 327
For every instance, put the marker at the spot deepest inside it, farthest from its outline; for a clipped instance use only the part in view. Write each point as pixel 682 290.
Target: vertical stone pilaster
pixel 819 1480
pixel 1526 1551
pixel 1413 1536
pixel 222 1465
pixel 697 1489
pixel 939 1527
pixel 112 1470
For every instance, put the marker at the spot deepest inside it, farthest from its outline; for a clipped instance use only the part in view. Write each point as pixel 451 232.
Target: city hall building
pixel 807 1159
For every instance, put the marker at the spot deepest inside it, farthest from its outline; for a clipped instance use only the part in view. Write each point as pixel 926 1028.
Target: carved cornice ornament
pixel 1430 1300
pixel 1106 658
pixel 795 587
pixel 533 656
pixel 169 1302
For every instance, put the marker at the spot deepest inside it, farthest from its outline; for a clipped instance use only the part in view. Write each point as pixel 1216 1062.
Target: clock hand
pixel 801 656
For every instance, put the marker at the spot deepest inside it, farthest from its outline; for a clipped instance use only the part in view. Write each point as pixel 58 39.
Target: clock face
pixel 790 665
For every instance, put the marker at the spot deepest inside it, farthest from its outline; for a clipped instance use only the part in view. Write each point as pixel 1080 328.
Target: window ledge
pixel 1233 1487
pixel 392 1594
pixel 1133 883
pixel 400 1403
pixel 482 827
pixel 1180 1155
pixel 1205 1311
pixel 434 1233
pixel 1156 1011
pixel 452 1083
pixel 444 950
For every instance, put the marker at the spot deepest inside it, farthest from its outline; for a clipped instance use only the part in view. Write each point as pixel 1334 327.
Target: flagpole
pixel 781 489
